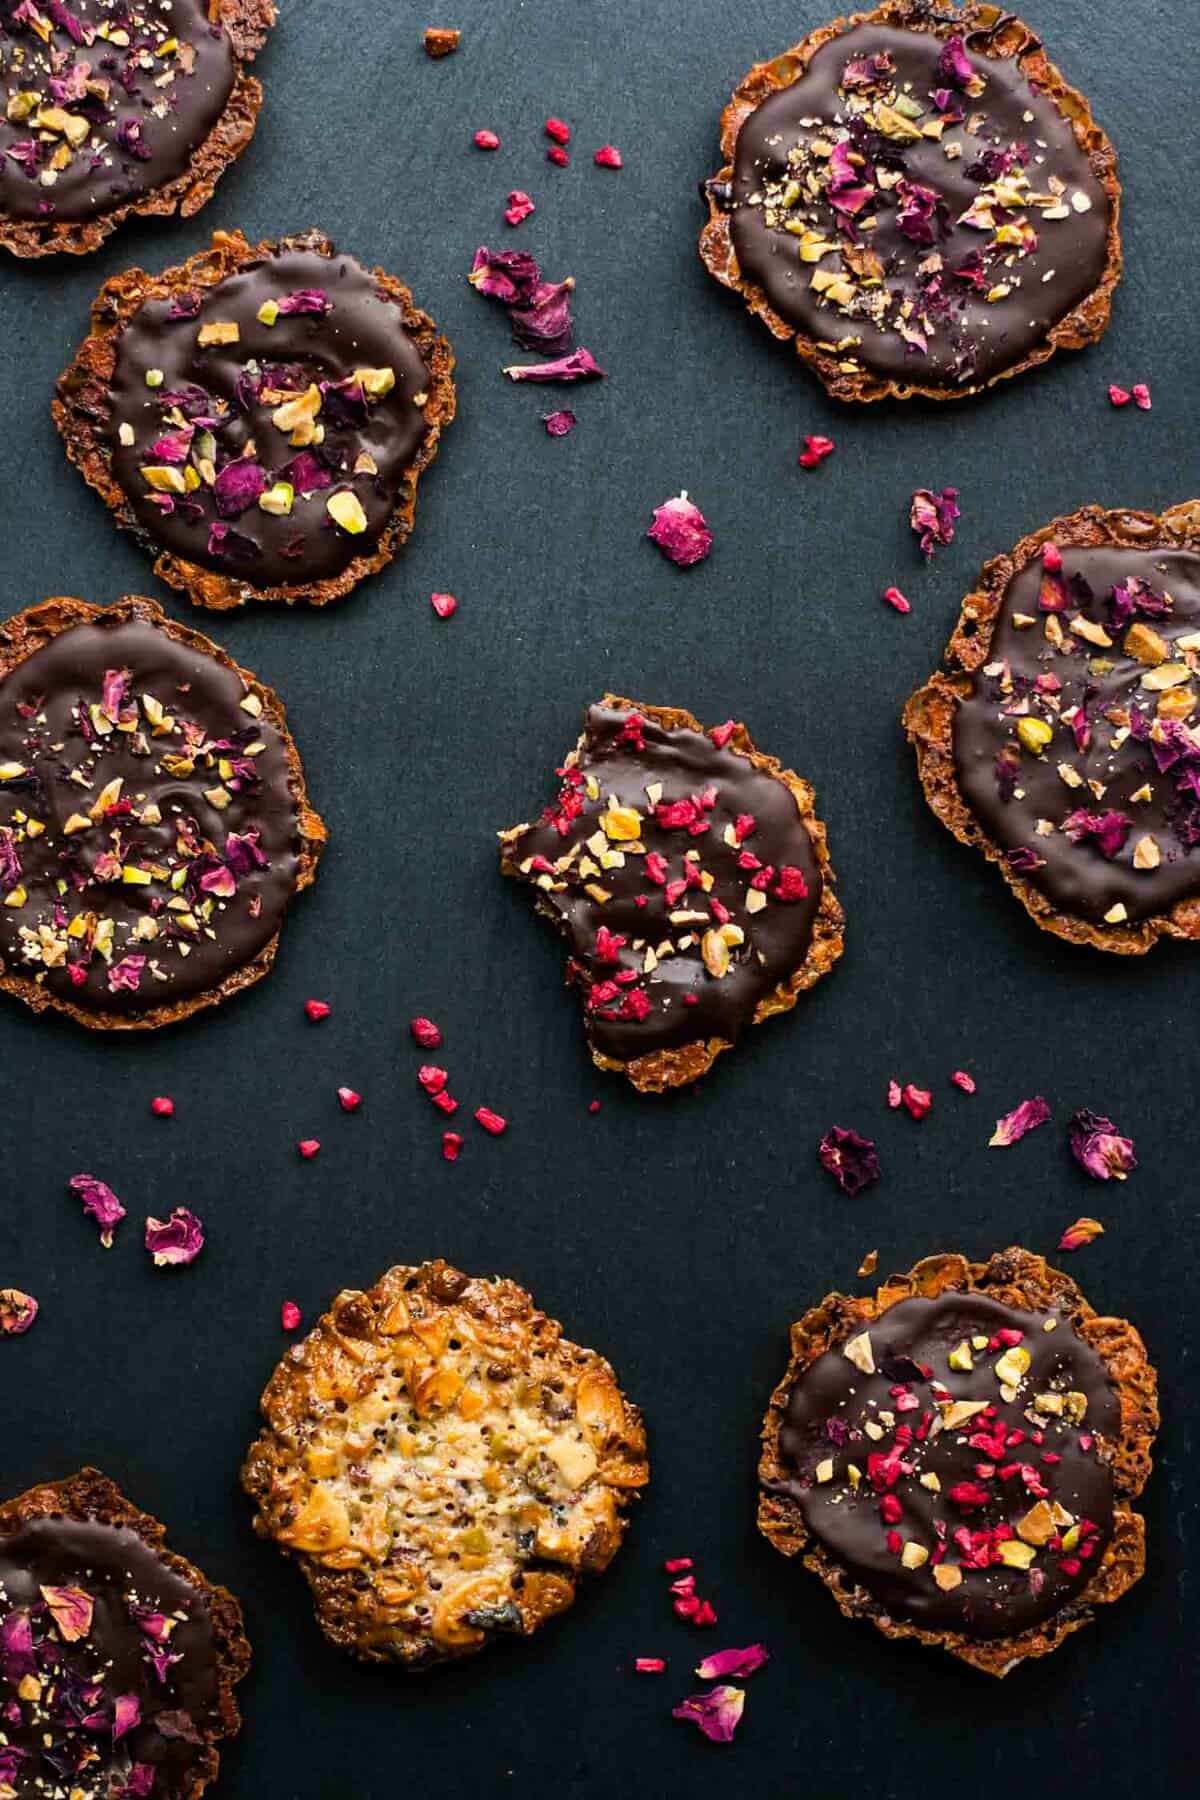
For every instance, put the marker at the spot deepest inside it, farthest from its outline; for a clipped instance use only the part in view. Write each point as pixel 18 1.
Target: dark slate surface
pixel 680 1236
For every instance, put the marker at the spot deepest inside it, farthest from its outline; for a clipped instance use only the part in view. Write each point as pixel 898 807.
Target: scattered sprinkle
pixel 932 517
pixel 451 1145
pixel 1118 395
pixel 893 1092
pixel 425 1033
pixel 609 157
pixel 815 450
pixel 317 1010
pixel 175 1241
pixel 681 531
pixel 348 1100
pixel 650 1665
pixel 308 1148
pixel 851 1160
pixel 486 140
pixel 676 1565
pixel 1025 1117
pixel 1098 1147
pixel 431 1078
pixel 559 130
pixel 962 1080
pixel 716 1713
pixel 1083 1231
pixel 895 598
pixel 99 1203
pixel 162 1107
pixel 289 1315
pixel 443 604
pixel 556 154
pixel 1141 395
pixel 559 423
pixel 491 1121
pixel 917 1100
pixel 519 207
pixel 17 1312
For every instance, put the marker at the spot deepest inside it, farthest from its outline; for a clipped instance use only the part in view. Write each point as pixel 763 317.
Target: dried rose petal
pixel 162 1107
pixel 739 1663
pixel 1098 1147
pixel 127 1712
pixel 543 321
pixel 895 598
pixel 1141 395
pixel 177 1240
pixel 348 1100
pixel 851 1160
pixel 558 424
pixel 99 1203
pixel 443 605
pixel 680 531
pixel 17 1312
pixel 1083 1231
pixel 491 1121
pixel 519 207
pixel 1118 395
pixel 815 450
pixel 305 300
pixel 581 365
pixel 649 1665
pixel 309 1147
pixel 71 1610
pixel 486 140
pixel 426 1033
pixel 317 1009
pixel 917 1100
pixel 609 157
pixel 289 1315
pixel 509 276
pixel 1025 1117
pixel 716 1713
pixel 932 517
pixel 452 1143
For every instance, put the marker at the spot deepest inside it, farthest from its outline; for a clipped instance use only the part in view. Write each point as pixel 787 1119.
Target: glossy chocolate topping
pixel 148 832
pixel 108 1665
pixel 106 100
pixel 935 231
pixel 325 398
pixel 659 841
pixel 1008 1496
pixel 1079 754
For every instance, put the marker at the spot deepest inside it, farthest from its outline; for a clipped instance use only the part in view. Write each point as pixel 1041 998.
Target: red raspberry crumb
pixel 691 999
pixel 486 140
pixel 609 157
pixel 1118 395
pixel 519 207
pixel 649 1665
pixel 308 1148
pixel 1051 557
pixel 704 1614
pixel 426 1033
pixel 445 1102
pixel 348 1100
pixel 557 155
pixel 815 450
pixel 443 604
pixel 675 1564
pixel 962 1080
pixel 721 734
pixel 432 1079
pixel 593 1106
pixel 451 1145
pixel 917 1100
pixel 895 598
pixel 491 1121
pixel 893 1094
pixel 559 130
pixel 162 1108
pixel 289 1315
pixel 1141 395
pixel 317 1010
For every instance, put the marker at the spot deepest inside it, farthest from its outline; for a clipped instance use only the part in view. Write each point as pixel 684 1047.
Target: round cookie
pixel 444 1465
pixel 259 417
pixel 918 201
pixel 117 107
pixel 957 1455
pixel 1063 739
pixel 154 825
pixel 690 878
pixel 118 1658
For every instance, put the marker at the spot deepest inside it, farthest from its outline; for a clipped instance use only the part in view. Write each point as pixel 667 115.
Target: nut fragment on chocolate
pixel 1063 738
pixel 118 1658
pixel 918 201
pixel 116 107
pixel 956 1456
pixel 154 825
pixel 259 417
pixel 690 877
pixel 444 1465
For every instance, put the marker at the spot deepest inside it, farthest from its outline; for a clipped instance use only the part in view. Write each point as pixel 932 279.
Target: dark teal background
pixel 679 1236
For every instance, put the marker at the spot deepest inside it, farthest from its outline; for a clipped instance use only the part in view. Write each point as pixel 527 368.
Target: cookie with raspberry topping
pixel 1063 738
pixel 690 877
pixel 259 417
pixel 118 1658
pixel 154 823
pixel 918 201
pixel 110 108
pixel 956 1456
pixel 444 1464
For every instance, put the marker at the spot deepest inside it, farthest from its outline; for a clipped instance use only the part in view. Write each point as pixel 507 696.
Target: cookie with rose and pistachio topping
pixel 917 200
pixel 118 1658
pixel 116 107
pixel 689 874
pixel 259 417
pixel 1063 738
pixel 444 1464
pixel 957 1456
pixel 154 824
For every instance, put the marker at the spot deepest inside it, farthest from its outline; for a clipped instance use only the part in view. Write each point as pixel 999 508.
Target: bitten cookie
pixel 444 1464
pixel 259 417
pixel 956 1457
pixel 154 825
pixel 690 877
pixel 118 1659
pixel 113 107
pixel 1063 739
pixel 918 201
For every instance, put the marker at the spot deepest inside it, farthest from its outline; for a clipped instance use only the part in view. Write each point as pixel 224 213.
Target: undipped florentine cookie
pixel 118 1658
pixel 918 201
pixel 444 1465
pixel 259 417
pixel 957 1456
pixel 689 875
pixel 114 107
pixel 1063 739
pixel 154 825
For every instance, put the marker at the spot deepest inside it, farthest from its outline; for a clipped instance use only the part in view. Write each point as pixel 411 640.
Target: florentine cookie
pixel 1063 741
pixel 957 1455
pixel 917 199
pixel 113 107
pixel 153 819
pixel 444 1464
pixel 118 1658
pixel 259 417
pixel 690 877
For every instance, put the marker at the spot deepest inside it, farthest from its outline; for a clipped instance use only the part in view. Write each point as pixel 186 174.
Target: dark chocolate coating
pixel 973 340
pixel 118 1570
pixel 991 1602
pixel 168 121
pixel 1076 876
pixel 685 763
pixel 55 681
pixel 363 329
